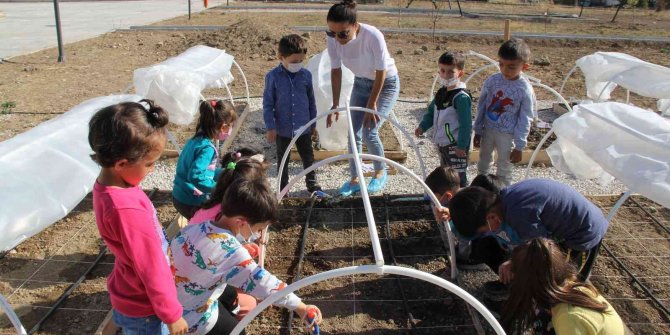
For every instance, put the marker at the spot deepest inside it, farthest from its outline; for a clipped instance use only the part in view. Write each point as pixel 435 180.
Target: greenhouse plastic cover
pixel 176 84
pixel 46 171
pixel 614 140
pixel 335 137
pixel 644 78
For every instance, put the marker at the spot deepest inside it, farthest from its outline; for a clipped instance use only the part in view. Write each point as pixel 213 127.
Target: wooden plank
pixel 398 156
pixel 177 223
pixel 107 327
pixel 541 158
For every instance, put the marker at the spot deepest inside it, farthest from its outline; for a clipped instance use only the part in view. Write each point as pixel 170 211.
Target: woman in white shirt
pixel 362 49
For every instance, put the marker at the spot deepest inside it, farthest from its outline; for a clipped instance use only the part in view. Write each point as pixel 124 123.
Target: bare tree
pixel 435 15
pixel 660 5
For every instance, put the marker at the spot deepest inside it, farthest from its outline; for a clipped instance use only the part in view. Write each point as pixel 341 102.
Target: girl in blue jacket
pixel 197 168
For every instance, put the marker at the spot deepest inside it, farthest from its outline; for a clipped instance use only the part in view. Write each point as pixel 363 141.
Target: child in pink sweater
pixel 127 139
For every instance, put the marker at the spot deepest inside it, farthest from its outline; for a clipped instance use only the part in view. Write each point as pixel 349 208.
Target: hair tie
pixel 213 103
pixel 231 166
pixel 238 155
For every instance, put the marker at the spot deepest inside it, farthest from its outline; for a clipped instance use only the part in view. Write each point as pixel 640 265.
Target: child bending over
pixel 209 261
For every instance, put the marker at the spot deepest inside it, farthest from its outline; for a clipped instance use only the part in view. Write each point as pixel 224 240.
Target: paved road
pixel 30 27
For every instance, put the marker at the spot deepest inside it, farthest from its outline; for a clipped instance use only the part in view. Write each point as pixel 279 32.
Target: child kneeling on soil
pixel 209 261
pixel 288 104
pixel 544 280
pixel 127 139
pixel 450 116
pixel 523 211
pixel 197 169
pixel 505 111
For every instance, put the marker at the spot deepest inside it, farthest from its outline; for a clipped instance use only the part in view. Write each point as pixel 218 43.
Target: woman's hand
pixel 505 272
pixel 329 120
pixel 370 120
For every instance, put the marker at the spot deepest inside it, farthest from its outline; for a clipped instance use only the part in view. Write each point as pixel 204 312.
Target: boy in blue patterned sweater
pixel 505 111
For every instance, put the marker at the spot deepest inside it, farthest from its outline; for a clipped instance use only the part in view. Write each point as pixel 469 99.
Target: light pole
pixel 61 54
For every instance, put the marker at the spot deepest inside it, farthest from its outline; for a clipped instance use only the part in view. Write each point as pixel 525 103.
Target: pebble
pixel 332 176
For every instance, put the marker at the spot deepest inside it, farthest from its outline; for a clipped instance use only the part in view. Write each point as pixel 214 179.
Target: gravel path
pixel 332 176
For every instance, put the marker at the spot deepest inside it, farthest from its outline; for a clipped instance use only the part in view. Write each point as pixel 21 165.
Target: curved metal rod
pixel 302 129
pixel 367 206
pixel 603 90
pixel 536 151
pixel 244 78
pixel 16 322
pixel 618 204
pixel 565 80
pixel 482 68
pixel 400 167
pixel 371 269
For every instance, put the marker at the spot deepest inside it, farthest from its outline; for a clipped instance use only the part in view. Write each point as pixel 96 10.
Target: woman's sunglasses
pixel 342 34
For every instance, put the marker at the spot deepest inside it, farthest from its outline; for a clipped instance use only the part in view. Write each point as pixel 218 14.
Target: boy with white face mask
pixel 450 115
pixel 209 260
pixel 288 104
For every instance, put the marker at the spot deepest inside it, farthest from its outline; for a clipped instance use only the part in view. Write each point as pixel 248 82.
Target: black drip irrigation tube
pixel 637 281
pixel 76 284
pixel 656 221
pixel 301 254
pixel 389 242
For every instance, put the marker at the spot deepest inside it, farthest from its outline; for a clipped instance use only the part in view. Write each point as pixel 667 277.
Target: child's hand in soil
pixel 180 327
pixel 418 132
pixel 303 311
pixel 515 156
pixel 271 135
pixel 477 141
pixel 505 272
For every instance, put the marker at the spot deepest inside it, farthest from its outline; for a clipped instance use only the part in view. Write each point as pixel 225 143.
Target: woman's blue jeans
pixel 359 98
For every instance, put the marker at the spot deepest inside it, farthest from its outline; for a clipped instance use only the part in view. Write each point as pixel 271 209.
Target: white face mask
pixel 448 82
pixel 253 237
pixel 294 67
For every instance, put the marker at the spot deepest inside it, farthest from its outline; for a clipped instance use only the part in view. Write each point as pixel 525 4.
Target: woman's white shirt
pixel 364 55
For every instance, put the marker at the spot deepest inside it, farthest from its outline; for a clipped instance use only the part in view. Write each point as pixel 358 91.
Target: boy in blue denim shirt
pixel 288 104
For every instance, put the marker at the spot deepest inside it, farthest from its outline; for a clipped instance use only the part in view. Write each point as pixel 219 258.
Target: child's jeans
pixel 359 98
pixel 502 143
pixel 460 164
pixel 147 325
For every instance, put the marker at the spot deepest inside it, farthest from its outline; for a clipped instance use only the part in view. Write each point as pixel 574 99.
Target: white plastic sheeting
pixel 176 83
pixel 46 171
pixel 605 70
pixel 614 140
pixel 335 137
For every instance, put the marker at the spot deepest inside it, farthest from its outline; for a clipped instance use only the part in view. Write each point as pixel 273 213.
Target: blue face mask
pixel 506 235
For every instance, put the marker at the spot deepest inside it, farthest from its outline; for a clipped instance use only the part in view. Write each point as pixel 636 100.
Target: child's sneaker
pixel 377 184
pixel 347 189
pixel 320 194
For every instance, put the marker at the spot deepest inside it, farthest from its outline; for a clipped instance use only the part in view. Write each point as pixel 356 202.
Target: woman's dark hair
pixel 489 181
pixel 252 199
pixel 244 168
pixel 213 114
pixel 343 12
pixel 543 277
pixel 468 209
pixel 127 130
pixel 443 179
pixel 451 58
